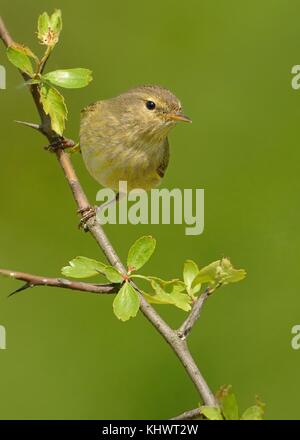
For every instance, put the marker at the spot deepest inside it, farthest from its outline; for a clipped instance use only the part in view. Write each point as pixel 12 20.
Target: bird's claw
pixel 60 143
pixel 87 213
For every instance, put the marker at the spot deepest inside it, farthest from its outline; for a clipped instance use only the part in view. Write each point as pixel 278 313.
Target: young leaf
pixel 228 403
pixel 157 299
pixel 211 413
pixel 206 275
pixel 43 27
pixel 167 292
pixel 69 78
pixel 26 50
pixel 126 304
pixel 83 267
pixel 112 274
pixel 219 272
pixel 181 301
pixel 140 252
pixel 54 106
pixel 56 21
pixel 190 271
pixel 254 412
pixel 176 298
pixel 49 28
pixel 169 286
pixel 19 56
pixel 228 274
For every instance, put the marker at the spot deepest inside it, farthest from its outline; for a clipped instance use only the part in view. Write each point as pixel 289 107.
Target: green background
pixel 230 63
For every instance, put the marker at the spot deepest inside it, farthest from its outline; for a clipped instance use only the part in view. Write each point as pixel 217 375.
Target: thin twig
pixel 99 235
pixel 35 280
pixel 194 315
pixel 5 34
pixel 42 64
pixel 189 415
pixel 186 327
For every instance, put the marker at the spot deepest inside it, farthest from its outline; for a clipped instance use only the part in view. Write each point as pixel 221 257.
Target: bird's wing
pixel 165 160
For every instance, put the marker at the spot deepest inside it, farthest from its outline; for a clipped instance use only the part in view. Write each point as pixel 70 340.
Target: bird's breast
pixel 111 162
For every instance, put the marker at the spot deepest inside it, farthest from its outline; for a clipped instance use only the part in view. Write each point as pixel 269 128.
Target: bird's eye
pixel 150 105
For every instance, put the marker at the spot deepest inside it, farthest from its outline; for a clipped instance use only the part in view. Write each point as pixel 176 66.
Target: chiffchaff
pixel 125 138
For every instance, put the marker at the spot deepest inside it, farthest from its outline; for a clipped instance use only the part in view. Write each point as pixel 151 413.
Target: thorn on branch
pixel 31 125
pixel 20 289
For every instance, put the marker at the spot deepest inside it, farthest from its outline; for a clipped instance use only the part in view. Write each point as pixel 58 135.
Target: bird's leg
pixel 92 211
pixel 111 202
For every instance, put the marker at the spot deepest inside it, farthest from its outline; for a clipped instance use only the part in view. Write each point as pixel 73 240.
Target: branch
pixel 99 235
pixel 194 315
pixel 34 280
pixel 189 415
pixel 4 34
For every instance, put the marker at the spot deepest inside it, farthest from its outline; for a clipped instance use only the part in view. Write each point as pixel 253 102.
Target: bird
pixel 125 138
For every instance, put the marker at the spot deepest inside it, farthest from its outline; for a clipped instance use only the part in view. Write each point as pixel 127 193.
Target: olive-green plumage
pixel 125 138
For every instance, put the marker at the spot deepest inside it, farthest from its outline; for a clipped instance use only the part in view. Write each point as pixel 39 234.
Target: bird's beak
pixel 179 117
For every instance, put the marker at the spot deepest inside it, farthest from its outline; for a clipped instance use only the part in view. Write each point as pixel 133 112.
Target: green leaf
pixel 190 271
pixel 219 272
pixel 26 50
pixel 181 301
pixel 56 21
pixel 83 267
pixel 156 299
pixel 49 28
pixel 43 26
pixel 167 292
pixel 228 403
pixel 206 275
pixel 169 286
pixel 176 297
pixel 254 412
pixel 19 56
pixel 140 252
pixel 69 78
pixel 211 413
pixel 112 274
pixel 54 106
pixel 126 304
pixel 229 274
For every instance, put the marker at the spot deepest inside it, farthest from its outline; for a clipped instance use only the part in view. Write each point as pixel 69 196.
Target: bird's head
pixel 150 111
